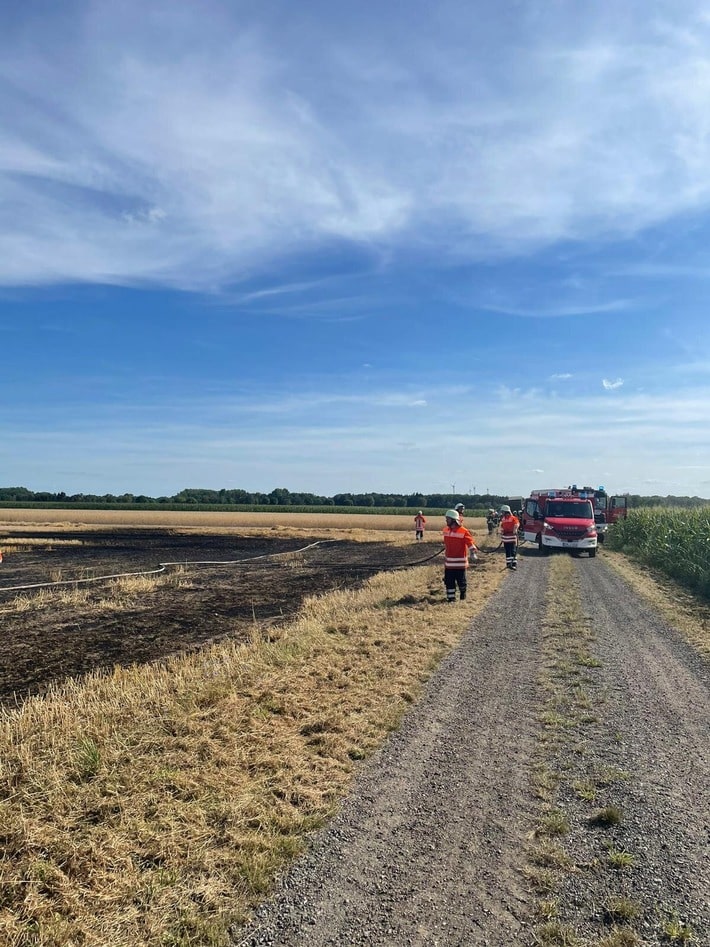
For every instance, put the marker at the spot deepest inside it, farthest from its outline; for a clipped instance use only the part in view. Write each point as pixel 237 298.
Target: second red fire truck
pixel 607 509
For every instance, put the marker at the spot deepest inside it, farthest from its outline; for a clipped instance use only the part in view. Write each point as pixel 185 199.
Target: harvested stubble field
pixel 242 571
pixel 153 805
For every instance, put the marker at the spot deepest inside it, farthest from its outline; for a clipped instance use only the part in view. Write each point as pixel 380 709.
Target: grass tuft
pixel 621 908
pixel 556 934
pixel 548 909
pixel 606 817
pixel 621 937
pixel 87 758
pixel 549 855
pixel 585 790
pixel 676 931
pixel 620 859
pixel 554 823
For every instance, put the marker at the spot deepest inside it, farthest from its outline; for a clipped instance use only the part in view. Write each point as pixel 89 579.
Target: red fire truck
pixel 561 518
pixel 543 524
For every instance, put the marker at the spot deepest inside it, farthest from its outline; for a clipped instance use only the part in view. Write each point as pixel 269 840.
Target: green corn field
pixel 674 541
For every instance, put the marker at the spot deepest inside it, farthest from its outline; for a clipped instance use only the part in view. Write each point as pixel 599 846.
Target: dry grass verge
pixel 689 614
pixel 153 806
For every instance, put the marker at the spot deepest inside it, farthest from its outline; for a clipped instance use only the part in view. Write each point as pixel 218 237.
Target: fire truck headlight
pixel 546 526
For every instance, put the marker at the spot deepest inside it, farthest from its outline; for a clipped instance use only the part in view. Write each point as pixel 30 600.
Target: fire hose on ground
pixel 163 566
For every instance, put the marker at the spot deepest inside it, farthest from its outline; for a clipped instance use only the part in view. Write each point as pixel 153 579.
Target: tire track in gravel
pixel 656 699
pixel 428 849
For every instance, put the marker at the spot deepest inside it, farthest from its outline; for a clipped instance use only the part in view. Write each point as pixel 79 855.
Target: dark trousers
pixel 511 550
pixel 452 578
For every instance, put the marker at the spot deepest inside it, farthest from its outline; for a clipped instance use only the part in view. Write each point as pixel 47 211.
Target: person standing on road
pixel 458 543
pixel 419 524
pixel 509 526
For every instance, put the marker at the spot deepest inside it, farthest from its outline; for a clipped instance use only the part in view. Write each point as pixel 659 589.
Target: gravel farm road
pixel 433 846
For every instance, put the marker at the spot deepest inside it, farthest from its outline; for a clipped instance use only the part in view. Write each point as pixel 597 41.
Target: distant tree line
pixel 283 497
pixel 278 497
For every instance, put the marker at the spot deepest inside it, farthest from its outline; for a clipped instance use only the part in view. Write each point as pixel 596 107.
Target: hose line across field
pixel 162 566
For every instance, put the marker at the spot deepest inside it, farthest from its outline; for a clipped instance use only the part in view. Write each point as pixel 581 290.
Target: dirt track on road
pixel 433 846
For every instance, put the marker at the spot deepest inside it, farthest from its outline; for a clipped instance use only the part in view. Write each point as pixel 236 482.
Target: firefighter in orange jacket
pixel 458 542
pixel 419 524
pixel 509 526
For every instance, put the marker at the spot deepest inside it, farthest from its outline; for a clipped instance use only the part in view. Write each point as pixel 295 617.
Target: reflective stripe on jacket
pixel 457 542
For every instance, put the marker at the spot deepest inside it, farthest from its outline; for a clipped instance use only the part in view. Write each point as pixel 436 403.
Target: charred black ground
pixel 39 646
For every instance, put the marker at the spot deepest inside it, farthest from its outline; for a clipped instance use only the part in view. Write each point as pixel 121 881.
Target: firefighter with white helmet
pixel 509 526
pixel 458 544
pixel 419 524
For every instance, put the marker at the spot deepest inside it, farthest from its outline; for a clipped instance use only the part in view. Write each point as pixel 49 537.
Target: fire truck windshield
pixel 572 509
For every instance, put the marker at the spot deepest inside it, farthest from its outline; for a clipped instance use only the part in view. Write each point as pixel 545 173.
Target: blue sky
pixel 355 246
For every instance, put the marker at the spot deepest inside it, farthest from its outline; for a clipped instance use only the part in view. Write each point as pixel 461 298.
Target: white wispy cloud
pixel 192 146
pixel 612 385
pixel 559 310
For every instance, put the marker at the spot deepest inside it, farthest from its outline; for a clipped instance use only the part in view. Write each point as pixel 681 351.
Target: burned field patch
pixel 205 595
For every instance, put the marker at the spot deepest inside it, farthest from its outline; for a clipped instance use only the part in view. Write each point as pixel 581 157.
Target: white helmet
pixel 452 515
pixel 460 507
pixel 505 509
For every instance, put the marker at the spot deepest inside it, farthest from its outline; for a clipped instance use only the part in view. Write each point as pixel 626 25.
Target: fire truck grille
pixel 570 532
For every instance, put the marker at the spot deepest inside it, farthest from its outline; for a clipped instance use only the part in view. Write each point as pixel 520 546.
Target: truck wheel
pixel 592 553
